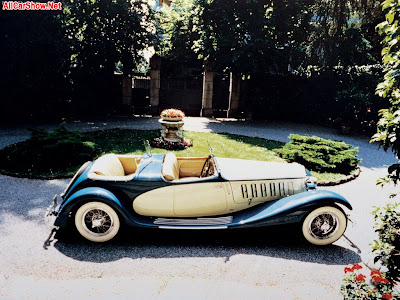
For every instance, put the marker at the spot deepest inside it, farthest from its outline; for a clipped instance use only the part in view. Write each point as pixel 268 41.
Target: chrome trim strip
pixel 194 222
pixel 193 227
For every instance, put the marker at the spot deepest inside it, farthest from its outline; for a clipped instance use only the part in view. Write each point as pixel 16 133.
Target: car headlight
pixel 311 182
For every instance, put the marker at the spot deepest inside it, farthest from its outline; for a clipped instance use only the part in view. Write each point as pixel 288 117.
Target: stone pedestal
pixel 172 130
pixel 155 64
pixel 234 95
pixel 207 96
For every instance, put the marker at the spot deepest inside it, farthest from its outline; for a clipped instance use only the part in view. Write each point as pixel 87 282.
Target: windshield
pixel 147 148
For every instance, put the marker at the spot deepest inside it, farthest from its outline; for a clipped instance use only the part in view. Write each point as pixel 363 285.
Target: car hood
pixel 240 169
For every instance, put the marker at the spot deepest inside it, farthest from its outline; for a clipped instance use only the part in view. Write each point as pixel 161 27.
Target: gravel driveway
pixel 36 263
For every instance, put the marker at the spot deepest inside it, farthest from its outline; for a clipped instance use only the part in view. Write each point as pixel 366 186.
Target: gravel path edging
pixel 342 180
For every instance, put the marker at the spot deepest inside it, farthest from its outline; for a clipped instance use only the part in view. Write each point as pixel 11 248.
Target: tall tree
pixel 105 33
pixel 176 27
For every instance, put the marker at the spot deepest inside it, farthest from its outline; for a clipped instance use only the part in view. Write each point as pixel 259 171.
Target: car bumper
pixel 52 211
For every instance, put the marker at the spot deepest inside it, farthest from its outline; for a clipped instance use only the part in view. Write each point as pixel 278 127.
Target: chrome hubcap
pixel 324 226
pixel 97 222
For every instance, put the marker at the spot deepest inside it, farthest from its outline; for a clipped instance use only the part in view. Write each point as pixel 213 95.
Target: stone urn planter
pixel 172 131
pixel 175 119
pixel 172 135
pixel 171 124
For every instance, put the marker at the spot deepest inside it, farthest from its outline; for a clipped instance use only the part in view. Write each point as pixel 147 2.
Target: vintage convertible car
pixel 166 192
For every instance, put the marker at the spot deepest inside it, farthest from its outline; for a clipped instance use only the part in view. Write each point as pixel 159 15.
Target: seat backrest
pixel 108 165
pixel 170 168
pixel 129 163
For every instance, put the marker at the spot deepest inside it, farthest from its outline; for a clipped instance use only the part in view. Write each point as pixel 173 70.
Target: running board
pixel 193 227
pixel 194 222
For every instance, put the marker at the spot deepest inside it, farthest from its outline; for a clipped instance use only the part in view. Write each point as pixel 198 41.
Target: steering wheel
pixel 207 169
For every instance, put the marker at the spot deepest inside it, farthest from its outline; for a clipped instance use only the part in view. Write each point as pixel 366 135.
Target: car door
pixel 200 199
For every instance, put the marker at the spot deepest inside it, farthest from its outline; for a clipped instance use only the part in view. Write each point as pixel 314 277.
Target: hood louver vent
pixel 264 190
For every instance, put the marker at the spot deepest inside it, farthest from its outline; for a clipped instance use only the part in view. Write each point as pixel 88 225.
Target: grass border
pixel 343 180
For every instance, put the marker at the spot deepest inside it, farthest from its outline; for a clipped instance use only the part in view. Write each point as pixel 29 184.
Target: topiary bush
pixel 48 152
pixel 320 154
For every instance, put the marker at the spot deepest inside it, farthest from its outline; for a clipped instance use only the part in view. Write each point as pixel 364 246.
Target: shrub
pixel 48 152
pixel 387 247
pixel 355 285
pixel 387 250
pixel 320 154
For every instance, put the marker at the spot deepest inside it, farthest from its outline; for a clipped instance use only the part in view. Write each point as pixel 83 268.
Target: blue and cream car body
pixel 163 191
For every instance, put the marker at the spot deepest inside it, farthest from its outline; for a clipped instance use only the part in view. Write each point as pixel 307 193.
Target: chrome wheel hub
pixel 324 225
pixel 97 222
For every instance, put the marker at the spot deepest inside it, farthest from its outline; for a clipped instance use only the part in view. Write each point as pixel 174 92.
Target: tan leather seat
pixel 108 165
pixel 129 163
pixel 170 168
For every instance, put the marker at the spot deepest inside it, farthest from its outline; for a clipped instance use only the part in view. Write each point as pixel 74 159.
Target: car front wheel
pixel 324 225
pixel 97 222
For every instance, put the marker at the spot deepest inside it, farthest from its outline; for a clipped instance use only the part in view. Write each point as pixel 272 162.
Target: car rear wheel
pixel 97 222
pixel 324 225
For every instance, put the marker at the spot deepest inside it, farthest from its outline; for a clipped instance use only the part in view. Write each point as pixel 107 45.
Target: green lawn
pixel 224 144
pixel 131 141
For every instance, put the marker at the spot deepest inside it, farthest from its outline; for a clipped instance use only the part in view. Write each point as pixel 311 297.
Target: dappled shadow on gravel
pixel 280 242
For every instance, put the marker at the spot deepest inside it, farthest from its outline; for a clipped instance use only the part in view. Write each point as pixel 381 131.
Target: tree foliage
pixel 252 36
pixel 272 36
pixel 102 34
pixel 176 26
pixel 105 32
pixel 341 32
pixel 388 129
pixel 53 61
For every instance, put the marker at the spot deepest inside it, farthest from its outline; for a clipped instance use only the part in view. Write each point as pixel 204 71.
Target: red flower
pixel 376 273
pixel 353 268
pixel 379 279
pixel 387 296
pixel 360 277
pixel 348 270
pixel 172 113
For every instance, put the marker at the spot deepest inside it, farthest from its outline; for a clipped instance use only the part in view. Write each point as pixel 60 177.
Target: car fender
pixel 293 208
pixel 82 196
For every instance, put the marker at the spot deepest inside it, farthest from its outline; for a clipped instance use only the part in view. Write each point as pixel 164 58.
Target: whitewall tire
pixel 97 222
pixel 324 225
